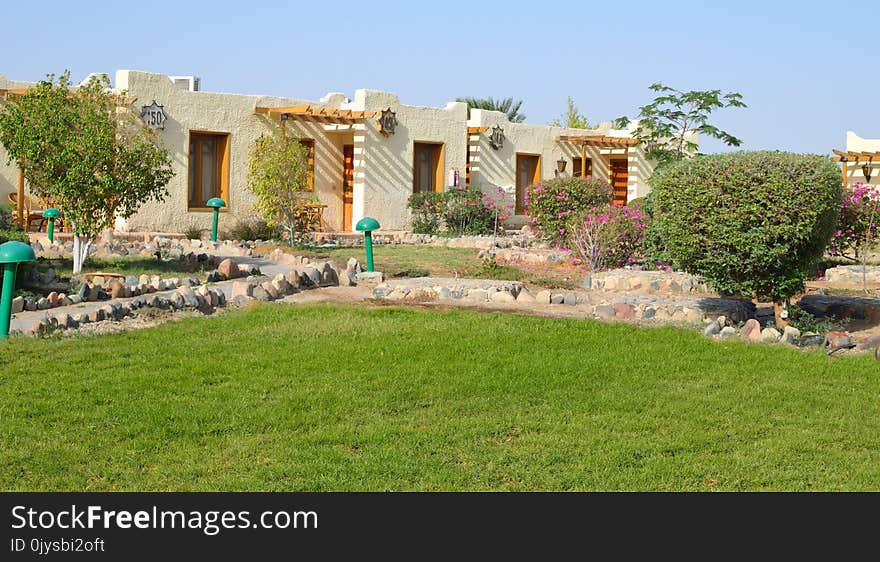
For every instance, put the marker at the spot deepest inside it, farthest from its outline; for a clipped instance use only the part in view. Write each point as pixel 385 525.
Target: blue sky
pixel 806 70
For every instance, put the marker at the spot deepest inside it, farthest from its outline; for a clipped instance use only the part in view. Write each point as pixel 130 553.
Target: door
pixel 619 179
pixel 347 185
pixel 528 172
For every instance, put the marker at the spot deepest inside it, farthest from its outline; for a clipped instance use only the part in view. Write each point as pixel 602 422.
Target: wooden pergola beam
pixel 598 140
pixel 853 156
pixel 315 114
pixel 477 130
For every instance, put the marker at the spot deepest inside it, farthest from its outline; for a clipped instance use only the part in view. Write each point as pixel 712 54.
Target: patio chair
pixel 33 212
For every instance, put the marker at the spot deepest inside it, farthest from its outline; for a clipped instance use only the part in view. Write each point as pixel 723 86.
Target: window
pixel 427 167
pixel 576 167
pixel 309 144
pixel 208 168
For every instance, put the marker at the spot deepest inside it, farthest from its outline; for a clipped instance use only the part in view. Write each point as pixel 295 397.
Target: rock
pixel 30 303
pixel 570 298
pixel 177 300
pixel 64 321
pixel 83 292
pixel 727 332
pixel 369 277
pixel 605 311
pixel 293 278
pixel 713 329
pixel 281 285
pixel 64 300
pixel 43 303
pixel 526 297
pixel 260 294
pixel 213 277
pixel 478 295
pixel 836 341
pixel 543 297
pixel 751 330
pixel 241 288
pixel 241 300
pixel 722 321
pixel 623 311
pixel 228 269
pixel 557 299
pixel 810 339
pixel 17 305
pixel 329 277
pixel 74 299
pixel 131 280
pixel 96 315
pixel 82 318
pixel 117 289
pixel 311 277
pixel 650 312
pixel 189 297
pixel 770 335
pixel 790 335
pixel 502 296
pixel 270 290
pixel 53 299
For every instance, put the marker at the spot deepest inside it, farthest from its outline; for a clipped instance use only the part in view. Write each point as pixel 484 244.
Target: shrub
pixel 255 229
pixel 751 223
pixel 193 232
pixel 465 212
pixel 607 236
pixel 552 204
pixel 427 212
pixel 5 218
pixel 857 223
pixel 12 234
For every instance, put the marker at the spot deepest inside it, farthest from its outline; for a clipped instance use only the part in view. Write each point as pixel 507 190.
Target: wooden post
pixel 583 159
pixel 843 167
pixel 20 203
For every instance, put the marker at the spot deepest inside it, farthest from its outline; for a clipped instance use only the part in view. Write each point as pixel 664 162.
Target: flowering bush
pixel 553 203
pixel 460 210
pixel 427 209
pixel 607 236
pixel 857 222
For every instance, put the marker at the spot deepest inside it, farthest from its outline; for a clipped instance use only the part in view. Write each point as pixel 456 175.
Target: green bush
pixel 255 229
pixel 11 234
pixel 427 212
pixel 551 204
pixel 751 223
pixel 5 217
pixel 465 212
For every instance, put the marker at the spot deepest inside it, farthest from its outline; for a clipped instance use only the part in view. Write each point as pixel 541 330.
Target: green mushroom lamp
pixel 367 225
pixel 215 203
pixel 51 214
pixel 11 254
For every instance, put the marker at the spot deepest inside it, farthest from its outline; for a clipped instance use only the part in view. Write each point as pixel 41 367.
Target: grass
pixel 354 398
pixel 439 261
pixel 132 265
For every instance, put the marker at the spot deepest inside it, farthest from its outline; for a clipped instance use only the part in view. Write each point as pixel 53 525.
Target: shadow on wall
pixel 388 176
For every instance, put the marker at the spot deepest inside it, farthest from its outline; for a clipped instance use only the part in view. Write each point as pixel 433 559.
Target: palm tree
pixel 508 106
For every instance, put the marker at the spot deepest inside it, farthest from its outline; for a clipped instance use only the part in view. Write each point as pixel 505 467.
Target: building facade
pixel 368 154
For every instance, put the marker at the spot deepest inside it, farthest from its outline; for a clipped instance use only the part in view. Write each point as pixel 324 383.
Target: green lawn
pixel 352 398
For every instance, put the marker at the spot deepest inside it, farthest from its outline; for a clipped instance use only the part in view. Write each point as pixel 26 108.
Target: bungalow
pixel 368 154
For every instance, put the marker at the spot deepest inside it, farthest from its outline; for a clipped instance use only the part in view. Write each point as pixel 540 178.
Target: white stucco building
pixel 861 157
pixel 360 168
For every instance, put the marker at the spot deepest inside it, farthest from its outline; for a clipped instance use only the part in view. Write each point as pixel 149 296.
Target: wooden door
pixel 347 185
pixel 619 179
pixel 528 172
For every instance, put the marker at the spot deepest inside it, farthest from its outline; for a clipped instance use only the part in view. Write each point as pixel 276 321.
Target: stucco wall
pixel 491 168
pixel 387 171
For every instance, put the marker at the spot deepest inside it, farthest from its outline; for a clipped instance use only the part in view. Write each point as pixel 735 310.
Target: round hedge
pixel 752 223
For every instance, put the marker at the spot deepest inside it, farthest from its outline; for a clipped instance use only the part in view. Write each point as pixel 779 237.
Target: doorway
pixel 619 179
pixel 528 172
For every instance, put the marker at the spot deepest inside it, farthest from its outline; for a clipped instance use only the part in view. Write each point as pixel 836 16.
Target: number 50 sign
pixel 154 115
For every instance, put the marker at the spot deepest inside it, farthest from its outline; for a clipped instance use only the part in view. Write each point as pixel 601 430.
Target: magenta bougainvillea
pixel 607 236
pixel 857 224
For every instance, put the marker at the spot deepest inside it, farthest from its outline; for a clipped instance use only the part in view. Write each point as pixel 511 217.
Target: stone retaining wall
pixel 649 282
pixel 852 275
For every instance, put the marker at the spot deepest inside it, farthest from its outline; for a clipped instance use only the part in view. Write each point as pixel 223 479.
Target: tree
pixel 508 106
pixel 572 118
pixel 665 125
pixel 81 150
pixel 753 224
pixel 278 174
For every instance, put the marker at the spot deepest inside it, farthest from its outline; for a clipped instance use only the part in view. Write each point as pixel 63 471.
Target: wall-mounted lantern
pixel 285 116
pixel 387 122
pixel 866 171
pixel 560 166
pixel 496 138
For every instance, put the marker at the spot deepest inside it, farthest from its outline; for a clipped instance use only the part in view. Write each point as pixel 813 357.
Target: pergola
pixel 601 141
pixel 309 113
pixel 866 158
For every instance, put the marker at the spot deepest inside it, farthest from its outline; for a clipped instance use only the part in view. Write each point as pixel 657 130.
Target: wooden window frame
pixel 439 166
pixel 222 179
pixel 589 172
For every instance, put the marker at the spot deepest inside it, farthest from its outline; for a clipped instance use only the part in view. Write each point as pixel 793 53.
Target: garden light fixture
pixel 51 214
pixel 560 166
pixel 215 203
pixel 866 171
pixel 11 254
pixel 367 225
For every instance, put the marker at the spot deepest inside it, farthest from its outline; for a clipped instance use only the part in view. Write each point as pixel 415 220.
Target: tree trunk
pixel 81 246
